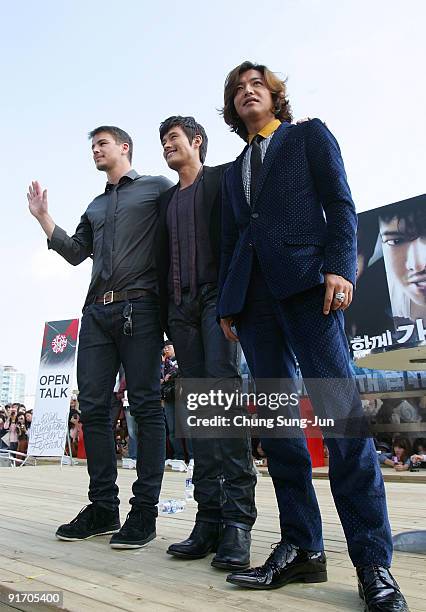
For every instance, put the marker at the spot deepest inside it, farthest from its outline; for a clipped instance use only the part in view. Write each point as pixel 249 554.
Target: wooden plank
pixel 95 577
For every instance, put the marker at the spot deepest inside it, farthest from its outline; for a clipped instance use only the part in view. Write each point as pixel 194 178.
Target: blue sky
pixel 70 66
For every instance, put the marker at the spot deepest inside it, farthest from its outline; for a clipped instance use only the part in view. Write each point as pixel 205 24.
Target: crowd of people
pixel 15 419
pixel 399 452
pixel 15 424
pixel 403 454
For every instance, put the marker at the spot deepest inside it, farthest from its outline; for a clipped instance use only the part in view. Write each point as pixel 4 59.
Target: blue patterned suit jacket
pixel 302 222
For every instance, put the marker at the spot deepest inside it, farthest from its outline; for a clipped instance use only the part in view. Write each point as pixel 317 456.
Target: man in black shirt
pixel 120 324
pixel 187 255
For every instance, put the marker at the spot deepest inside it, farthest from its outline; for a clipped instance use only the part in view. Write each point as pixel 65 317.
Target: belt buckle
pixel 108 297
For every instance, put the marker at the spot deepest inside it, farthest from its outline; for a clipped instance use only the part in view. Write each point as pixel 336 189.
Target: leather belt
pixel 121 296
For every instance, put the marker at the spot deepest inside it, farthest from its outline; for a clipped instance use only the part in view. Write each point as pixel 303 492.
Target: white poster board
pixel 49 426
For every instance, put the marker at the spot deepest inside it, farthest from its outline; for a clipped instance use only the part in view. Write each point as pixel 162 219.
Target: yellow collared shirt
pixel 267 130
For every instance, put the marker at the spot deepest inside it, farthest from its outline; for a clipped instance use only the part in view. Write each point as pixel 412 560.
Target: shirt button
pixel 254 215
pixel 250 245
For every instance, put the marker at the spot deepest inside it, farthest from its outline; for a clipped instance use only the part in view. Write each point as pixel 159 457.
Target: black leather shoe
pixel 287 563
pixel 203 540
pixel 233 551
pixel 138 530
pixel 91 521
pixel 379 590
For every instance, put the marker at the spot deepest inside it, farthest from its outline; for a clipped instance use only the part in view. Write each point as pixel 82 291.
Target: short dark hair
pixel 367 237
pixel 191 129
pixel 119 135
pixel 413 212
pixel 277 87
pixel 419 442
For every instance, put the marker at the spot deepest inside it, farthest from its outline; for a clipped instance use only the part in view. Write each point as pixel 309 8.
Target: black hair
pixel 191 129
pixel 419 442
pixel 413 212
pixel 367 234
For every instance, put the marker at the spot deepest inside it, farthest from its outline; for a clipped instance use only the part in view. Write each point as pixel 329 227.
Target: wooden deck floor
pixel 34 500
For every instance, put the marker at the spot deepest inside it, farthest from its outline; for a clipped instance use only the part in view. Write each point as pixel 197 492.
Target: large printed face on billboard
pixel 389 306
pixel 403 234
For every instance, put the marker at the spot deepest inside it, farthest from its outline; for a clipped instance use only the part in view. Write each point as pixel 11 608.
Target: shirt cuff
pixel 57 240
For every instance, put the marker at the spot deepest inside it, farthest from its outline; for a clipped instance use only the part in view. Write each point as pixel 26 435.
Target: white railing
pixel 9 458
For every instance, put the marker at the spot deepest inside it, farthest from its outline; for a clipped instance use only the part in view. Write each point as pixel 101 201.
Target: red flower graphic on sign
pixel 59 343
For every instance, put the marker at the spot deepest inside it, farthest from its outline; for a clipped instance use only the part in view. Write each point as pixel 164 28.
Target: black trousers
pixel 224 477
pixel 103 346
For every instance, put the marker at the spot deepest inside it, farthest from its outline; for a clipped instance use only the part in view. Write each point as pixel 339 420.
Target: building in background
pixel 12 385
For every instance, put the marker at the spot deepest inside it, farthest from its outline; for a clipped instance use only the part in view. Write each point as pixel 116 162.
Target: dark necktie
pixel 108 234
pixel 255 165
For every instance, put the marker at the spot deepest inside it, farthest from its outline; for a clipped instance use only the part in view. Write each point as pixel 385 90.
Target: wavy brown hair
pixel 277 87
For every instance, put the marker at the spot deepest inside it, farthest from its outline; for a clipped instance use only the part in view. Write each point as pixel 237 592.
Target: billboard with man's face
pixel 389 306
pixel 402 231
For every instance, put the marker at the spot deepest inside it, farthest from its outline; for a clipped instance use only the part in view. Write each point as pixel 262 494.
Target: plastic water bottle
pixel 189 486
pixel 171 506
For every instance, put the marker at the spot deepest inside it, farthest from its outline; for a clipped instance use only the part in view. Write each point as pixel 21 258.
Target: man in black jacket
pixel 187 258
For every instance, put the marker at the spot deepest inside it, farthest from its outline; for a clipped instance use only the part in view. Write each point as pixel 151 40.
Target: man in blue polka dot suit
pixel 287 273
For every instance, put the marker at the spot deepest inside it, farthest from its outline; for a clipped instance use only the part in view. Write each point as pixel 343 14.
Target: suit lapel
pixel 164 204
pixel 211 183
pixel 273 148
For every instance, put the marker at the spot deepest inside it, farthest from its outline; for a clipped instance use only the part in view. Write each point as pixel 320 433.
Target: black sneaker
pixel 138 530
pixel 91 521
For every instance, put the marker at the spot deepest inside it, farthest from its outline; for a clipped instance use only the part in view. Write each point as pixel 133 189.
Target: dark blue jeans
pixel 102 347
pixel 272 334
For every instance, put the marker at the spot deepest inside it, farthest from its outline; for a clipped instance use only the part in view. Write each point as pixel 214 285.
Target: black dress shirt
pixel 134 229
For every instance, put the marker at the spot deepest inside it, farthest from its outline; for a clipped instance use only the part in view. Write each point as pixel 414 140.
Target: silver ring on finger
pixel 340 296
